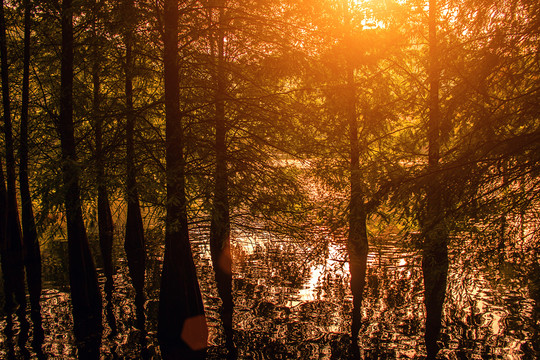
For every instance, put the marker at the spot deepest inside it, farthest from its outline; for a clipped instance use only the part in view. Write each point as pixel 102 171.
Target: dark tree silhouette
pixel 357 241
pixel 12 261
pixel 220 226
pixel 32 254
pixel 435 252
pixel 182 329
pixel 105 222
pixel 85 293
pixel 134 240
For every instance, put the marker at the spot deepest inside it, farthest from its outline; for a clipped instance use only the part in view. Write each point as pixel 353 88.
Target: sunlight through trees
pixel 232 145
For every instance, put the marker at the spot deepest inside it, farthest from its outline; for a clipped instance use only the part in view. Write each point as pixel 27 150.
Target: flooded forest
pixel 270 179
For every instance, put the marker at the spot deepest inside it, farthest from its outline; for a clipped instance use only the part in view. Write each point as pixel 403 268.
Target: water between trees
pixel 294 302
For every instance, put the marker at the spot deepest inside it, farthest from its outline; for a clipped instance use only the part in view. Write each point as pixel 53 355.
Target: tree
pixel 182 329
pixel 105 222
pixel 134 240
pixel 220 226
pixel 435 248
pixel 12 261
pixel 357 240
pixel 30 238
pixel 361 100
pixel 85 293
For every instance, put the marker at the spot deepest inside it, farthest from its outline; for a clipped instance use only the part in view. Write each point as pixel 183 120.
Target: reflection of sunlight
pixel 334 265
pixel 307 293
pixel 371 259
pixel 497 324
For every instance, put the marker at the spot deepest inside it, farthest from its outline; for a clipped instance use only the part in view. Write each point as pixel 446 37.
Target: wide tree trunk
pixel 134 243
pixel 32 258
pixel 85 293
pixel 435 251
pixel 12 262
pixel 220 244
pixel 182 329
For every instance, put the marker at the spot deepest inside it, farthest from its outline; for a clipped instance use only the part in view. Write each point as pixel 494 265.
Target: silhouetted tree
pixel 357 241
pixel 134 240
pixel 435 248
pixel 182 329
pixel 85 293
pixel 32 252
pixel 12 262
pixel 105 222
pixel 220 226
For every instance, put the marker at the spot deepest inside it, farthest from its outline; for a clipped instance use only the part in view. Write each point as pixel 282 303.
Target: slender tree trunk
pixel 105 222
pixel 357 242
pixel 32 252
pixel 14 249
pixel 85 294
pixel 5 249
pixel 134 240
pixel 220 244
pixel 182 329
pixel 435 252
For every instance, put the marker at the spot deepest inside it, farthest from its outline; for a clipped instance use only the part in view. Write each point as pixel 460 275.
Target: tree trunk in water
pixel 357 242
pixel 32 259
pixel 435 252
pixel 6 251
pixel 182 329
pixel 105 222
pixel 220 244
pixel 85 294
pixel 12 262
pixel 134 240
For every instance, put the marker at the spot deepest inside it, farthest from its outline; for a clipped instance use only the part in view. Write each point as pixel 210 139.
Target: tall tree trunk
pixel 13 242
pixel 105 222
pixel 134 240
pixel 5 249
pixel 357 241
pixel 32 259
pixel 85 294
pixel 435 252
pixel 182 329
pixel 220 244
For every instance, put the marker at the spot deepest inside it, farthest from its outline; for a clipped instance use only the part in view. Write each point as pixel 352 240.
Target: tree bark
pixel 6 250
pixel 85 293
pixel 12 262
pixel 182 329
pixel 105 222
pixel 134 243
pixel 220 244
pixel 32 259
pixel 435 252
pixel 357 241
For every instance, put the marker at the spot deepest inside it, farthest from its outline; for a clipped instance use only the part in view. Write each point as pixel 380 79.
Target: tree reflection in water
pixel 290 305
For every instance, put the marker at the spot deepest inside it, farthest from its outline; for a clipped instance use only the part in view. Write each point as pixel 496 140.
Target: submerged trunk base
pixel 435 271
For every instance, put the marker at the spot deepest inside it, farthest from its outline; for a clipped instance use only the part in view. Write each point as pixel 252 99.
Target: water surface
pixel 293 302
